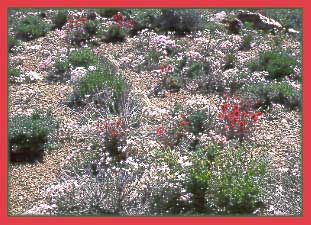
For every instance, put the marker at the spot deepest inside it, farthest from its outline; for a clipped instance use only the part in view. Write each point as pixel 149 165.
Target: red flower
pixel 254 117
pixel 130 23
pixel 160 130
pixel 244 113
pixel 114 132
pixel 119 123
pixel 184 123
pixel 169 68
pixel 221 116
pixel 183 115
pixel 106 124
pixel 162 68
pixel 224 107
pixel 83 19
pixel 118 17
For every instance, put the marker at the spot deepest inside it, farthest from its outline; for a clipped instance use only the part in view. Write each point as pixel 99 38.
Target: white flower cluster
pixel 77 73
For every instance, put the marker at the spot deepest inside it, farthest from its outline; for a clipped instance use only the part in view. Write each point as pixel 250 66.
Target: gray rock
pixel 260 22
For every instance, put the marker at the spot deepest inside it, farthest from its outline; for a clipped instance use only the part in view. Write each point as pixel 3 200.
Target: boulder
pixel 235 26
pixel 260 22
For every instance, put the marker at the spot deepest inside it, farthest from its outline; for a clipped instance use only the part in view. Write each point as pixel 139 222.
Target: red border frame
pixel 5 219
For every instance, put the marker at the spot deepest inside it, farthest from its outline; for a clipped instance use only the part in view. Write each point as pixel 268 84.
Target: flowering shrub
pixel 76 31
pixel 114 133
pixel 171 137
pixel 170 79
pixel 236 118
pixel 117 32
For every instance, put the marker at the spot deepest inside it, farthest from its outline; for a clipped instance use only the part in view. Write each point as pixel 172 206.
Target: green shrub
pixel 60 19
pixel 109 12
pixel 82 57
pixel 197 69
pixel 115 34
pixel 28 136
pixel 144 18
pixel 200 122
pixel 217 181
pixel 13 72
pixel 103 86
pixel 230 61
pixel 12 41
pixel 31 28
pixel 90 27
pixel 280 92
pixel 247 41
pixel 277 64
pixel 182 21
pixel 61 66
pixel 238 188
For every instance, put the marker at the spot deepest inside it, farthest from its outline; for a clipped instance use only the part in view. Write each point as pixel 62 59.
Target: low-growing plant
pixel 117 32
pixel 82 57
pixel 61 66
pixel 143 18
pixel 76 31
pixel 91 27
pixel 277 64
pixel 230 61
pixel 103 86
pixel 13 72
pixel 247 42
pixel 31 28
pixel 60 19
pixel 236 185
pixel 200 121
pixel 12 41
pixel 217 180
pixel 281 92
pixel 237 118
pixel 114 133
pixel 28 136
pixel 197 69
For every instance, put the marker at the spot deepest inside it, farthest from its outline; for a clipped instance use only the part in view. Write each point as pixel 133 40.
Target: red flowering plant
pixel 76 32
pixel 169 79
pixel 237 117
pixel 118 31
pixel 114 133
pixel 172 136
